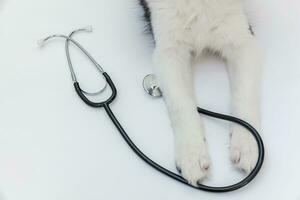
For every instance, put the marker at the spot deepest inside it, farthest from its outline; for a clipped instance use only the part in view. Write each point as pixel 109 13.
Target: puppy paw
pixel 193 161
pixel 244 149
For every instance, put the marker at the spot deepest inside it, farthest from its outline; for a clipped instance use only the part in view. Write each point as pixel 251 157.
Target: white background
pixel 53 147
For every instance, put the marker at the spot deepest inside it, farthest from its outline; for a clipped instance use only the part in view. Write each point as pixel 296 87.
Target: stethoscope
pixel 150 85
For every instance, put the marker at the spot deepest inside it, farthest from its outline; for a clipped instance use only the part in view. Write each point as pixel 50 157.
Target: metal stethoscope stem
pixel 67 50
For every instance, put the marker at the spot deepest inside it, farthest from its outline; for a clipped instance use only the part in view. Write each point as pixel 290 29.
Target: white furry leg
pixel 245 66
pixel 173 67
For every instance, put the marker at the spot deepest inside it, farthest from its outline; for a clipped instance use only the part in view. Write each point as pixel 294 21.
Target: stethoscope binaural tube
pixel 106 105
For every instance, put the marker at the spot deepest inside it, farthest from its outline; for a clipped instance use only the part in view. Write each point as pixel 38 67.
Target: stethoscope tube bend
pixel 84 98
pixel 106 105
pixel 163 170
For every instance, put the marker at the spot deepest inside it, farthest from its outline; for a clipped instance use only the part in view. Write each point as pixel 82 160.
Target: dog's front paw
pixel 193 161
pixel 244 149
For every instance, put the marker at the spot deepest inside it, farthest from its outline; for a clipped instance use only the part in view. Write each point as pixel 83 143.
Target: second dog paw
pixel 244 150
pixel 193 162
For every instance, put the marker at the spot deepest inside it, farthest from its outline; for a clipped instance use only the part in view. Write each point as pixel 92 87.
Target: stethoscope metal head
pixel 151 86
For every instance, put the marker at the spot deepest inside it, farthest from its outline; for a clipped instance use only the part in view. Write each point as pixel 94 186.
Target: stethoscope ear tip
pixel 40 43
pixel 88 28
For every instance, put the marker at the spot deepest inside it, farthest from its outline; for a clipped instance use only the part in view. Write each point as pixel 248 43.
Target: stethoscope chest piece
pixel 151 86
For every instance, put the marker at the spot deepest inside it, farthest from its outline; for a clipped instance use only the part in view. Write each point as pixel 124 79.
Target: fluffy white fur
pixel 183 29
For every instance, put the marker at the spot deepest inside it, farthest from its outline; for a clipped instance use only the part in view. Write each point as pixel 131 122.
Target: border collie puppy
pixel 183 30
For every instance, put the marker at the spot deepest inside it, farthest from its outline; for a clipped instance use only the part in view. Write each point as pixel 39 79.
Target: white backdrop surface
pixel 53 147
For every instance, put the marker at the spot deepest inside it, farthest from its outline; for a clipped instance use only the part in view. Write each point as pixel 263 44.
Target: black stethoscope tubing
pixel 163 170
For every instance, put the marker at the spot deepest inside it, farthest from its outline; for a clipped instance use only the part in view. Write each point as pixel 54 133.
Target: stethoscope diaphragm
pixel 151 86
